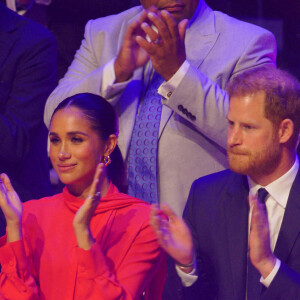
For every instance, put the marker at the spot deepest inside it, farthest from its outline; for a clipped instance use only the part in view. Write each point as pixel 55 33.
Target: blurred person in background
pixel 28 59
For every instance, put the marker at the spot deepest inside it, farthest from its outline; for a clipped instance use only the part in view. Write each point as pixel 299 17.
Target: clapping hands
pixel 261 254
pixel 163 45
pixel 12 209
pixel 82 219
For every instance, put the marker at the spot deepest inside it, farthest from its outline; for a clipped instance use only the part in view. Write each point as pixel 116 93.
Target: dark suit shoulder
pixel 26 29
pixel 215 181
pixel 211 190
pixel 35 32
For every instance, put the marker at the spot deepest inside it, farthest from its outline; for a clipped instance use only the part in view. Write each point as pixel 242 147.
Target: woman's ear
pixel 111 143
pixel 285 130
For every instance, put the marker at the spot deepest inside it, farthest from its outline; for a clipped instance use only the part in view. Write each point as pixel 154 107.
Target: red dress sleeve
pixel 16 279
pixel 95 280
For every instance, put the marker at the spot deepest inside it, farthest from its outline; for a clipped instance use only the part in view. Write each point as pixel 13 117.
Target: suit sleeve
pixel 204 103
pixel 84 74
pixel 136 272
pixel 285 285
pixel 203 288
pixel 33 79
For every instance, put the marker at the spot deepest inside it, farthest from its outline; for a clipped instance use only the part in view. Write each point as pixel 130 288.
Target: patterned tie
pixel 253 276
pixel 142 160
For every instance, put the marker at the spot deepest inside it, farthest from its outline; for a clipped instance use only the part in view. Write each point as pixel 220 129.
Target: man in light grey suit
pixel 196 51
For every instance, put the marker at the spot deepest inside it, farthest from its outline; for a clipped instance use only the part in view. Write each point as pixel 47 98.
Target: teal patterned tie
pixel 142 160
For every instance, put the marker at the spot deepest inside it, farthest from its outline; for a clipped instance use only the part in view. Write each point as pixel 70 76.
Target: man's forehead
pixel 251 98
pixel 249 103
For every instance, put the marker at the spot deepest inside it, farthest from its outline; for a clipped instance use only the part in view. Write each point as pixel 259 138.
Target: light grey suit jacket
pixel 192 135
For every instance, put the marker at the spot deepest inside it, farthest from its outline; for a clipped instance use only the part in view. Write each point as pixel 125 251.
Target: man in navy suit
pixel 230 231
pixel 27 76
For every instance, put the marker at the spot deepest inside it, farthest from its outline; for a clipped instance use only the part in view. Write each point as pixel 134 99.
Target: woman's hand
pixel 82 219
pixel 12 209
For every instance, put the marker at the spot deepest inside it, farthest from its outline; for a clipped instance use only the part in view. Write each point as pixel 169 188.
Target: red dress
pixel 123 262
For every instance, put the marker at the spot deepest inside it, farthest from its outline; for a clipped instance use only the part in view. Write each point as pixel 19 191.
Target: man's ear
pixel 110 144
pixel 285 130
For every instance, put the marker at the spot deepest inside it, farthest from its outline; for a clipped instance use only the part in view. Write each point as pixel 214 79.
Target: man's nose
pixel 234 136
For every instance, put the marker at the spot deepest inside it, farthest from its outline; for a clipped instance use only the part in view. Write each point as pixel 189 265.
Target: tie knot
pixel 261 195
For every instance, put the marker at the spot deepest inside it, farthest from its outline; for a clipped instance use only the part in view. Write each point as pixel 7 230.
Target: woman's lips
pixel 66 168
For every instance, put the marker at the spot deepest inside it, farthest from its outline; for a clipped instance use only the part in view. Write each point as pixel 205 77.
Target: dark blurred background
pixel 280 17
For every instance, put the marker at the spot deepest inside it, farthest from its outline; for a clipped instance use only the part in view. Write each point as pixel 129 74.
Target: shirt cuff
pixel 267 281
pixel 187 279
pixel 167 88
pixel 108 88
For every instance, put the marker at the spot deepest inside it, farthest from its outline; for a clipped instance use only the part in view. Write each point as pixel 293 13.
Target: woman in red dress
pixel 90 241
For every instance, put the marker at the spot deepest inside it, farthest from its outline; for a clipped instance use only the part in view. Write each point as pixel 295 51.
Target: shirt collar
pixel 279 189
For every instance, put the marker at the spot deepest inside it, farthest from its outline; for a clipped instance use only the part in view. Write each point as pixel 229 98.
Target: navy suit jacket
pixel 217 213
pixel 27 76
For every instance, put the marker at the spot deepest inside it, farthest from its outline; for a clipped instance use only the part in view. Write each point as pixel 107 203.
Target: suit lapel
pixel 129 101
pixel 199 40
pixel 290 227
pixel 127 107
pixel 236 213
pixel 6 44
pixel 8 28
pixel 201 36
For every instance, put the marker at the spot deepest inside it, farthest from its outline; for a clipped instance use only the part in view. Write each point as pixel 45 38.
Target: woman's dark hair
pixel 104 121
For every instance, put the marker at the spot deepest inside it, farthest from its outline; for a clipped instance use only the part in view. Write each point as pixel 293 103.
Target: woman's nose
pixel 64 154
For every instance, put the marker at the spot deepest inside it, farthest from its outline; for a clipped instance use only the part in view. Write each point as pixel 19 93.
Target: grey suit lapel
pixel 236 212
pixel 201 36
pixel 129 100
pixel 199 40
pixel 290 227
